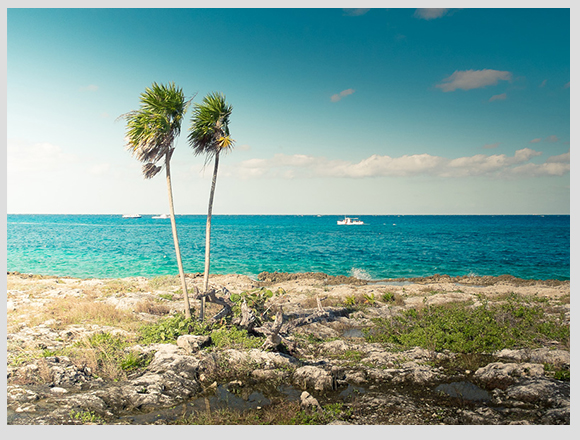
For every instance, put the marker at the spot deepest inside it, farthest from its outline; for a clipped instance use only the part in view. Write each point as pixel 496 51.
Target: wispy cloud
pixel 23 156
pixel 552 138
pixel 473 79
pixel 496 165
pixel 89 88
pixel 490 146
pixel 543 83
pixel 567 85
pixel 353 12
pixel 498 97
pixel 430 13
pixel 338 96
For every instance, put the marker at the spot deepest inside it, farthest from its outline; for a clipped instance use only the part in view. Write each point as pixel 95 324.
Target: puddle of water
pixel 225 397
pixel 465 390
pixel 351 391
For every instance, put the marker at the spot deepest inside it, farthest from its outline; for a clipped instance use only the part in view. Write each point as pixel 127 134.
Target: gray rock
pixel 307 401
pixel 313 378
pixel 501 375
pixel 193 343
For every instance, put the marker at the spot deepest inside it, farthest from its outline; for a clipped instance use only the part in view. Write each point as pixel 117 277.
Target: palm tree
pixel 210 134
pixel 151 132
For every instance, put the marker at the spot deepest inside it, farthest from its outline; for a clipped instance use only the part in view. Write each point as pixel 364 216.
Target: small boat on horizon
pixel 162 216
pixel 350 221
pixel 132 216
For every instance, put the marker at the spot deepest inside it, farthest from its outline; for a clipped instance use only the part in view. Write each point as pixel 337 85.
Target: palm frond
pixel 209 131
pixel 152 129
pixel 150 170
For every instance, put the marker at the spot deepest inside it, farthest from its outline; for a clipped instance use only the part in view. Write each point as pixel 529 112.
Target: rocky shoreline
pixel 328 360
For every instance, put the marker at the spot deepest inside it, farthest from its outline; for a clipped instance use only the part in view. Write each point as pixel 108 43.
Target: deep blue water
pixel 394 246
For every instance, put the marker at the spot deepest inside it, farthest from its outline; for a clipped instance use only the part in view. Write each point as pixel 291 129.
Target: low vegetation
pixel 463 328
pixel 277 413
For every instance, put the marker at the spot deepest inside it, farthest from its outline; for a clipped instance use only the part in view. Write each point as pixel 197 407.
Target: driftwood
pixel 210 296
pixel 272 332
pixel 248 318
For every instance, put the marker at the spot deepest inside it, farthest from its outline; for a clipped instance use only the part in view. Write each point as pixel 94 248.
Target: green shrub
pixel 388 297
pixel 369 298
pixel 169 329
pixel 349 301
pixel 85 417
pixel 256 300
pixel 464 329
pixel 235 338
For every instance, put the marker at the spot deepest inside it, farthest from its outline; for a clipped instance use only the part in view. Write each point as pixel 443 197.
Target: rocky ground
pixel 326 361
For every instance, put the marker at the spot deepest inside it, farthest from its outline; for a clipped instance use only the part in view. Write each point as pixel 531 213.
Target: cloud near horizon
pixel 497 165
pixel 338 96
pixel 473 79
pixel 353 12
pixel 498 97
pixel 430 13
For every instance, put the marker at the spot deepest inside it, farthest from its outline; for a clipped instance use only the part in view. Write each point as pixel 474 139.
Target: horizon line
pixel 287 214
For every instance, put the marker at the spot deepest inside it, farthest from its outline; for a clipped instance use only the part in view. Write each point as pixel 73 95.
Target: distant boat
pixel 161 216
pixel 350 221
pixel 132 216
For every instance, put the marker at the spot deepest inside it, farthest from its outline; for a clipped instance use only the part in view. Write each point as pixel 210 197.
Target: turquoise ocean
pixel 391 246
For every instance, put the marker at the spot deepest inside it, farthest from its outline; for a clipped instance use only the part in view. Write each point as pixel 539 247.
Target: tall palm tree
pixel 151 132
pixel 209 134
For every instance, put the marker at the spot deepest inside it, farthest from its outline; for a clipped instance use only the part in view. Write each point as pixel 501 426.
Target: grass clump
pixel 277 413
pixel 85 417
pixel 107 355
pixel 235 338
pixel 167 330
pixel 464 329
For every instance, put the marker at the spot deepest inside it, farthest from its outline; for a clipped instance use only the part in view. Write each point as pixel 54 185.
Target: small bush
pixel 463 329
pixel 235 338
pixel 169 329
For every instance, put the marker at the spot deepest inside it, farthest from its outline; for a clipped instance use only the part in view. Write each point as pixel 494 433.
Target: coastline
pixel 53 373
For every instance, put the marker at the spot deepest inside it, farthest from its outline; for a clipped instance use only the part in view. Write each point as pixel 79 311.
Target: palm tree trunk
pixel 175 239
pixel 208 234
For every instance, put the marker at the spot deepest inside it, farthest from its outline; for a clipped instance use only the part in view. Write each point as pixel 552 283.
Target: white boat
pixel 162 216
pixel 131 216
pixel 350 221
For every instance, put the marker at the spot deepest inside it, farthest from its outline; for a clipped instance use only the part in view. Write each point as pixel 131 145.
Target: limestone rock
pixel 193 343
pixel 313 378
pixel 501 375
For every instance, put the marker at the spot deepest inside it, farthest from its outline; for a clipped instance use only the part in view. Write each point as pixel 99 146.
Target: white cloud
pixel 497 165
pixel 430 13
pixel 544 169
pixel 498 97
pixel 24 156
pixel 355 11
pixel 536 140
pixel 473 79
pixel 562 158
pixel 338 96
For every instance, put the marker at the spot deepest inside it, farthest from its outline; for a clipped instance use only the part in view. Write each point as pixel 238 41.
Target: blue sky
pixel 336 111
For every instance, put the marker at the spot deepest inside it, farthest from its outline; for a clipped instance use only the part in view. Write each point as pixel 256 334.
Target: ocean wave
pixel 361 274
